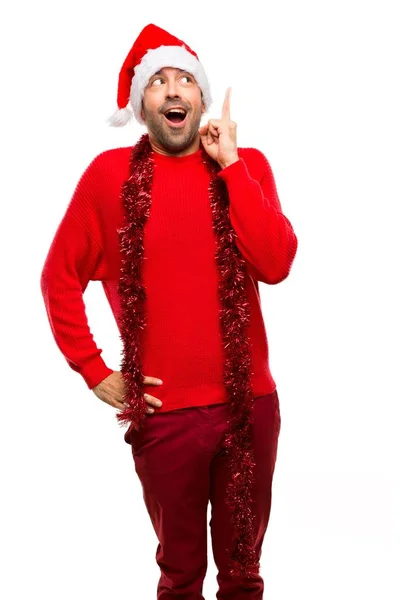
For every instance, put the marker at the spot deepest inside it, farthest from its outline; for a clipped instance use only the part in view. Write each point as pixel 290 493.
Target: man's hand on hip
pixel 112 390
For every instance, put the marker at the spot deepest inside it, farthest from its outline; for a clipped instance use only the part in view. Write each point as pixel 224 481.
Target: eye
pixel 154 81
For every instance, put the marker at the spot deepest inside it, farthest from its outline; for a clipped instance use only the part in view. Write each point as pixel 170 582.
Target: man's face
pixel 168 88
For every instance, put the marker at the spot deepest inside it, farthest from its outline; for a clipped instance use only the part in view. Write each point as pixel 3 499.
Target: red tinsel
pixel 234 321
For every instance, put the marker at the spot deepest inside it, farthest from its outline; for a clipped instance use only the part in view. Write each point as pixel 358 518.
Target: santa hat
pixel 153 49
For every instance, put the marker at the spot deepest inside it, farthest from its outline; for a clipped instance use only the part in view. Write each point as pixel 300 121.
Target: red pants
pixel 179 458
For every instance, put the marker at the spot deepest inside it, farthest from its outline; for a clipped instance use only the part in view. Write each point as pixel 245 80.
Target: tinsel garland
pixel 234 319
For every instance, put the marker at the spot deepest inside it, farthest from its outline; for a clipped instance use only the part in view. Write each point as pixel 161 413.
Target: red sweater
pixel 181 343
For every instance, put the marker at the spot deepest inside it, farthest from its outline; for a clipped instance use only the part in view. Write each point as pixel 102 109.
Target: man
pixel 179 229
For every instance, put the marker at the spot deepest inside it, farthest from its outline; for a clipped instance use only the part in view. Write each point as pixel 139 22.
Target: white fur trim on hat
pixel 166 56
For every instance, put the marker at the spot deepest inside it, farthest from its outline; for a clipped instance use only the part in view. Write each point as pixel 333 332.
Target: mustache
pixel 175 105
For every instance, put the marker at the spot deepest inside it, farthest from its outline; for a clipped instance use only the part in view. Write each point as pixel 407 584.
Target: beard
pixel 173 140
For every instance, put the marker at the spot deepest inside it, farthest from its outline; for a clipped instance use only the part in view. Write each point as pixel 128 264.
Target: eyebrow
pixel 179 70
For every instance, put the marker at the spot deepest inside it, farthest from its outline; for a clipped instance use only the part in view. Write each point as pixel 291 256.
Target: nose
pixel 171 89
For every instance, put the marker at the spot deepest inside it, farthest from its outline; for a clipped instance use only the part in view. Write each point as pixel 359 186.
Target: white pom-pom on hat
pixel 120 117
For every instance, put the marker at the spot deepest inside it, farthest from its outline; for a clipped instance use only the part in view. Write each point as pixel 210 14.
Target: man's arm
pixel 265 236
pixel 75 257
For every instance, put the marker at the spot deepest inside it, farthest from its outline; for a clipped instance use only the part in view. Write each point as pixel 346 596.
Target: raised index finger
pixel 225 112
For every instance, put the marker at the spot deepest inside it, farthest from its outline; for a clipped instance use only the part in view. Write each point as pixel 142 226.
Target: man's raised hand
pixel 219 138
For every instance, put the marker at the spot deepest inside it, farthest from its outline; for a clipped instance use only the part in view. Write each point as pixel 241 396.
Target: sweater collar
pixel 165 159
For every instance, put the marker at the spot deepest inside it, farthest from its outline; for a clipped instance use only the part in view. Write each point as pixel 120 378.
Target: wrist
pixel 228 162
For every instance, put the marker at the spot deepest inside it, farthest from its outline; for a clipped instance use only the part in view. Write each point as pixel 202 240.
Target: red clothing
pixel 181 343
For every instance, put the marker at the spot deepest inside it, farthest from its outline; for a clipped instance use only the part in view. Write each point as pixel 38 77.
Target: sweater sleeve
pixel 74 258
pixel 265 236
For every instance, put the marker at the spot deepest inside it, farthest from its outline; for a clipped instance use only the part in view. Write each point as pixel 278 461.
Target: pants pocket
pixel 132 435
pixel 127 436
pixel 277 410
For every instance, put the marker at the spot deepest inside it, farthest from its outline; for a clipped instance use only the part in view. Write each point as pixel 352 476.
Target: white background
pixel 325 90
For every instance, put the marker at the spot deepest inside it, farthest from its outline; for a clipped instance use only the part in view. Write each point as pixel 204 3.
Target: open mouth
pixel 176 116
